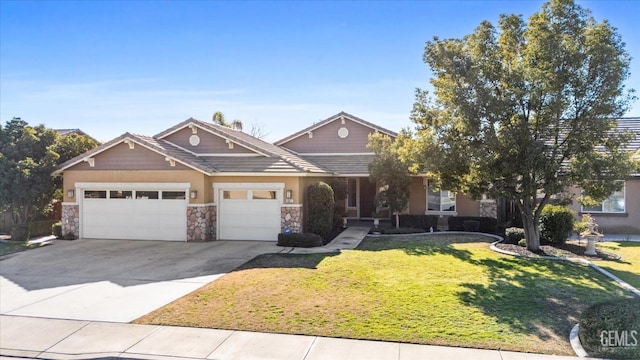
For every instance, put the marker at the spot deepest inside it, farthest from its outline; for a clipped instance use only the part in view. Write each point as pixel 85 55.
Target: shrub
pixel 522 242
pixel 339 212
pixel 402 230
pixel 471 225
pixel 56 229
pixel 487 224
pixel 41 228
pixel 20 232
pixel 617 317
pixel 319 219
pixel 339 187
pixel 305 240
pixel 513 235
pixel 424 222
pixel 556 224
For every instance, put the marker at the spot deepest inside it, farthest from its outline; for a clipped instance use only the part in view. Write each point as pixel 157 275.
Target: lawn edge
pixel 623 284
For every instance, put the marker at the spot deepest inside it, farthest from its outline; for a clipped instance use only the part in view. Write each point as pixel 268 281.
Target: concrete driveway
pixel 114 280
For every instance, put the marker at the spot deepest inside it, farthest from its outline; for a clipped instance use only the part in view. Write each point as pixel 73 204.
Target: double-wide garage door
pixel 121 213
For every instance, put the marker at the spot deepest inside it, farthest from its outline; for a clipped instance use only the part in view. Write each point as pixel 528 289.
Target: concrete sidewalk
pixel 75 339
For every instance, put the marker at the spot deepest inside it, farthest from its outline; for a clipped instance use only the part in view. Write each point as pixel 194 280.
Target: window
pixel 263 195
pixel 352 186
pixel 173 195
pixel 120 194
pixel 147 195
pixel 613 204
pixel 95 194
pixel 442 200
pixel 234 195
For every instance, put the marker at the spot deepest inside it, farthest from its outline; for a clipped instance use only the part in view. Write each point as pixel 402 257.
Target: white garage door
pixel 150 214
pixel 249 213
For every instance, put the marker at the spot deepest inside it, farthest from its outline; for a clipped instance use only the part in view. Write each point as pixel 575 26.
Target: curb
pixel 574 339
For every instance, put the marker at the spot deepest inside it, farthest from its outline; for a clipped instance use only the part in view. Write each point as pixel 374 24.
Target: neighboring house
pixel 198 181
pixel 620 212
pixel 67 132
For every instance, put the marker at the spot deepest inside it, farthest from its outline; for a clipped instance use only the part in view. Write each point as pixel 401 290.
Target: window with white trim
pixel 614 204
pixel 441 200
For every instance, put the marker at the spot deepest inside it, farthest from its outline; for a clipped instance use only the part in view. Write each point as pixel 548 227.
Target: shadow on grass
pixel 543 298
pixel 538 297
pixel 286 261
pixel 424 244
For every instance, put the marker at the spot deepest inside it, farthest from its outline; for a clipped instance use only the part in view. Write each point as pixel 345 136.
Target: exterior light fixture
pixel 289 194
pixel 71 193
pixel 194 194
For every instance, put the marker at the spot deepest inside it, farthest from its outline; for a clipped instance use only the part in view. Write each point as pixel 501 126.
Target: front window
pixel 441 200
pixel 613 204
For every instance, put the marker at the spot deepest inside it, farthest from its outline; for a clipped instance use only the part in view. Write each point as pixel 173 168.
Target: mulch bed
pixel 572 249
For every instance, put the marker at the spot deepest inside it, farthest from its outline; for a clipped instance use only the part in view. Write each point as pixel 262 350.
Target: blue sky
pixel 143 66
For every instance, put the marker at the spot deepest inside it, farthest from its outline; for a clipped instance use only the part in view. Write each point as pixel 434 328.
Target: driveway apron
pixel 114 280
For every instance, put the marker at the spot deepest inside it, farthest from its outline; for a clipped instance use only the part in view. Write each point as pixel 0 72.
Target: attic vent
pixel 194 140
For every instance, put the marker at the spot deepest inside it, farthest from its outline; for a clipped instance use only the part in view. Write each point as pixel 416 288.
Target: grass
pixel 443 289
pixel 628 267
pixel 11 247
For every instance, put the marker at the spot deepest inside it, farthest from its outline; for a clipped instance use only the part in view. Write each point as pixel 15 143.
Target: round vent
pixel 194 140
pixel 343 132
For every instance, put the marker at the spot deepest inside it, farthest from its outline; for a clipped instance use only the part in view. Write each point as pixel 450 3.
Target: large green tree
pixel 28 157
pixel 26 163
pixel 526 110
pixel 391 172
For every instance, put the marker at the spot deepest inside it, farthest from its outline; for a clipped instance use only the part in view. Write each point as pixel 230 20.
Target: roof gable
pixel 138 160
pixel 341 116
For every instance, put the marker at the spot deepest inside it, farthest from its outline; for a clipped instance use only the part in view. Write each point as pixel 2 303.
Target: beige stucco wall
pixel 624 223
pixel 196 179
pixel 466 206
pixel 418 197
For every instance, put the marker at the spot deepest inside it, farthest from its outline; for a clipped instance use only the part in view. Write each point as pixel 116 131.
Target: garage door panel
pixel 248 218
pixel 141 219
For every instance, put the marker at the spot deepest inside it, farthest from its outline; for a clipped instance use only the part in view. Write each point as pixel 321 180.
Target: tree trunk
pixel 531 232
pixel 397 220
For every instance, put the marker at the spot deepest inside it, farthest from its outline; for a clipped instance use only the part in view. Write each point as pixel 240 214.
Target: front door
pixel 367 198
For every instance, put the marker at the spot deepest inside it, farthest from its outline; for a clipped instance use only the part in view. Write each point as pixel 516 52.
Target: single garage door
pixel 150 214
pixel 249 214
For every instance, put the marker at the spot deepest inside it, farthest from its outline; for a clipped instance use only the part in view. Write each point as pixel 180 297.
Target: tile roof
pixel 343 164
pixel 633 124
pixel 333 118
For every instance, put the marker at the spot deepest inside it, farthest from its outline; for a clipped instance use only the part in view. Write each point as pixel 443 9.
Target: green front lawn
pixel 628 267
pixel 442 289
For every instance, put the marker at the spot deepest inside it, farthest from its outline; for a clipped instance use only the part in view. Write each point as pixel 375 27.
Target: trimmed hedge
pixel 612 329
pixel 486 224
pixel 556 224
pixel 305 240
pixel 319 217
pixel 424 222
pixel 23 232
pixel 513 235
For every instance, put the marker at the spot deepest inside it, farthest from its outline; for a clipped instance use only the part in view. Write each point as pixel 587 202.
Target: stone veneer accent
pixel 201 223
pixel 70 221
pixel 489 208
pixel 291 216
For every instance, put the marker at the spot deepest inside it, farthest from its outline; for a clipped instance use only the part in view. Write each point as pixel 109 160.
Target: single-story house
pixel 620 212
pixel 198 181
